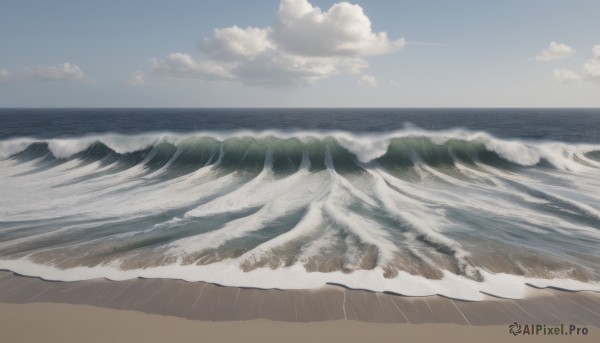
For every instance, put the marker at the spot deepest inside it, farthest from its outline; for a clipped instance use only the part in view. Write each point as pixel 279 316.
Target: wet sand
pixel 173 302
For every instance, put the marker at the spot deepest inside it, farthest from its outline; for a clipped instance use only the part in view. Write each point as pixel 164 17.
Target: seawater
pixel 457 202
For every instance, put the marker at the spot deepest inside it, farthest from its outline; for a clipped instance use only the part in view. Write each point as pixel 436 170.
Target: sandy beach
pixel 171 310
pixel 78 323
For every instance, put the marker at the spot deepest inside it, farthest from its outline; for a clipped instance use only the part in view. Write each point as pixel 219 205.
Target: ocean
pixel 462 203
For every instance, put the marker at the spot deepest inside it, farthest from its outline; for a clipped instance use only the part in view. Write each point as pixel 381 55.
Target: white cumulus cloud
pixel 66 72
pixel 367 80
pixel 591 68
pixel 566 75
pixel 233 43
pixel 137 78
pixel 303 45
pixel 590 71
pixel 60 72
pixel 344 30
pixel 181 65
pixel 4 75
pixel 596 51
pixel 555 51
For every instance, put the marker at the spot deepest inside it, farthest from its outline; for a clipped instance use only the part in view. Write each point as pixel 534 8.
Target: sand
pixel 81 323
pixel 154 310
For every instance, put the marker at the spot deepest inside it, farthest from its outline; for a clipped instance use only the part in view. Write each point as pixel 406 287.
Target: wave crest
pixel 248 149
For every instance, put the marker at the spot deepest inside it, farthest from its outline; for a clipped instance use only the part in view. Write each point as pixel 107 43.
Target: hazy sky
pixel 290 53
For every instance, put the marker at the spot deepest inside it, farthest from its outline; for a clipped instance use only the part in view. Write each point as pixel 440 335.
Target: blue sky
pixel 290 53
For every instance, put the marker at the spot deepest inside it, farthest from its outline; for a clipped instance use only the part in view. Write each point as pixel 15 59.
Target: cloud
pixel 180 65
pixel 66 72
pixel 591 68
pixel 590 71
pixel 303 45
pixel 555 51
pixel 565 75
pixel 60 72
pixel 137 78
pixel 344 30
pixel 232 43
pixel 4 75
pixel 367 80
pixel 596 51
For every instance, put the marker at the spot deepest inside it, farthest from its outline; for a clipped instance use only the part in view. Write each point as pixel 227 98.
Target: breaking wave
pixel 413 212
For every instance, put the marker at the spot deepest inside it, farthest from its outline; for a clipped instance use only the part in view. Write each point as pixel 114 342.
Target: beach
pixel 77 323
pixel 159 310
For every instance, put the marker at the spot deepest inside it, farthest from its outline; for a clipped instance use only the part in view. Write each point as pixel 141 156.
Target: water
pixel 567 125
pixel 458 202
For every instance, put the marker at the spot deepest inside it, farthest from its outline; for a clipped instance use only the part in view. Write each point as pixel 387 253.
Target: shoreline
pixel 208 302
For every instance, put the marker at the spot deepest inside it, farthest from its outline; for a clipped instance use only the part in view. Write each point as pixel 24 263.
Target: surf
pixel 410 211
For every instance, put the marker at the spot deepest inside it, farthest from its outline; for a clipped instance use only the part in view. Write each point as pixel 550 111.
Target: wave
pixel 247 148
pixel 414 212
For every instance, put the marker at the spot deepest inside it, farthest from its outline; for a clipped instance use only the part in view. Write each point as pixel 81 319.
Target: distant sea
pixel 457 202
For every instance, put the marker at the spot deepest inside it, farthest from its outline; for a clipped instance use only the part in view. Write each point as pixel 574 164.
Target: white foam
pixel 365 146
pixel 228 273
pixel 278 198
pixel 331 201
pixel 516 152
pixel 307 225
pixel 12 146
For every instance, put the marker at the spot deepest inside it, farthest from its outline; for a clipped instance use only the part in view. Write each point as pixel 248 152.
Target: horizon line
pixel 290 107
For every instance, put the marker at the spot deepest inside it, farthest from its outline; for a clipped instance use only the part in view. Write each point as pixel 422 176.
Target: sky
pixel 300 53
